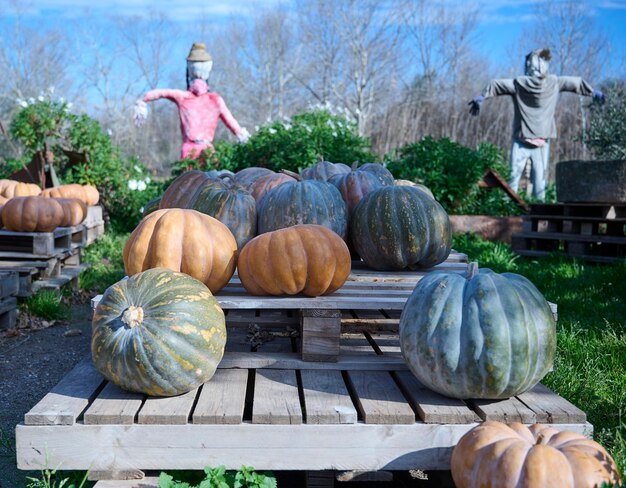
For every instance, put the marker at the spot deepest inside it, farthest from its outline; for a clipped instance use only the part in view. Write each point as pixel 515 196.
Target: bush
pixel 606 136
pixel 452 172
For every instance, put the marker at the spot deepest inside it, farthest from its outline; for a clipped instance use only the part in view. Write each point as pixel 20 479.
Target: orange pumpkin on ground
pixel 74 211
pixel 308 258
pixel 32 214
pixel 183 240
pixel 494 454
pixel 87 193
pixel 11 188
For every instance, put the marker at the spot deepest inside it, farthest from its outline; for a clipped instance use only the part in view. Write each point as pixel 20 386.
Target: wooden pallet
pixel 272 410
pixel 595 232
pixel 9 287
pixel 30 245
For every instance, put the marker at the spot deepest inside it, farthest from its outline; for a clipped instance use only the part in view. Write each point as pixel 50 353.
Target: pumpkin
pixel 86 193
pixel 159 332
pixel 231 205
pixel 32 214
pixel 309 259
pixel 183 189
pixel 74 211
pixel 419 186
pixel 3 200
pixel 247 176
pixel 262 186
pixel 395 227
pixel 216 174
pixel 304 202
pixel 382 173
pixel 11 188
pixel 354 185
pixel 151 206
pixel 497 455
pixel 324 170
pixel 183 240
pixel 484 335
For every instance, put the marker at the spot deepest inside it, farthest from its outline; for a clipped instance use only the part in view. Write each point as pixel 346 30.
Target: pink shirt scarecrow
pixel 198 109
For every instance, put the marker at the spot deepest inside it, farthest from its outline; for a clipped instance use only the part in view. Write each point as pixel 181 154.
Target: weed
pixel 47 304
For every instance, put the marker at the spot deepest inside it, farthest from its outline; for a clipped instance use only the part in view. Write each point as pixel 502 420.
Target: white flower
pixel 272 130
pixel 137 168
pixel 69 104
pixel 22 103
pixel 31 100
pixel 61 100
pixel 141 186
pixel 256 128
pixel 334 134
pixel 287 126
pixel 40 98
pixel 133 184
pixel 109 132
pixel 51 90
pixel 141 209
pixel 147 180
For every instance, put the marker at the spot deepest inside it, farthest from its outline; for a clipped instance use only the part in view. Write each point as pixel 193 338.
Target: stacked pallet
pixel 94 224
pixel 592 231
pixel 9 287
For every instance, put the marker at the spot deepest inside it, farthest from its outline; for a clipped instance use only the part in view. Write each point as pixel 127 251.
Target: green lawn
pixel 590 366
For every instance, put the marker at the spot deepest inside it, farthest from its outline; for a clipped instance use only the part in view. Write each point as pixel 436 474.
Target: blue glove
pixel 475 105
pixel 598 96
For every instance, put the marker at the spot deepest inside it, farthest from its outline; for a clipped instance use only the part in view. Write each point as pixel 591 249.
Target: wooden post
pixel 321 330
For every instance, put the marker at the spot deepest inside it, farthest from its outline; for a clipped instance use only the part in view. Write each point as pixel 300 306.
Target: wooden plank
pixel 320 334
pixel 9 283
pixel 66 401
pixel 432 407
pixel 326 398
pixel 507 411
pixel 276 398
pixel 356 344
pixel 7 304
pixel 385 342
pixel 379 399
pixel 222 399
pixel 167 410
pixel 550 407
pixel 8 319
pixel 113 406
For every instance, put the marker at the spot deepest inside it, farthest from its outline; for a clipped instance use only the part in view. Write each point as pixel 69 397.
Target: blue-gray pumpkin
pixel 485 335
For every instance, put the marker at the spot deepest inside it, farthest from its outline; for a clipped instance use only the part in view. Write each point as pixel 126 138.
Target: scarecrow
pixel 199 109
pixel 534 99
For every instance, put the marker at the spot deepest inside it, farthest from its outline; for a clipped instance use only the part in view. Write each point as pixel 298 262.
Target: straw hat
pixel 198 53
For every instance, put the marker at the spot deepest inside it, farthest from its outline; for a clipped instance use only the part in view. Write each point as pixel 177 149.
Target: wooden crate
pixel 595 232
pixel 272 410
pixel 31 245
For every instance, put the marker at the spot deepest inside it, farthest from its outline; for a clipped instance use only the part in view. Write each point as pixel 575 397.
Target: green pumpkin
pixel 489 336
pixel 303 202
pixel 231 205
pixel 396 227
pixel 354 185
pixel 183 189
pixel 382 173
pixel 324 170
pixel 158 332
pixel 247 176
pixel 151 206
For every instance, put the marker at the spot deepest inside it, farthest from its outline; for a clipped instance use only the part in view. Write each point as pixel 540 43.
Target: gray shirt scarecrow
pixel 534 100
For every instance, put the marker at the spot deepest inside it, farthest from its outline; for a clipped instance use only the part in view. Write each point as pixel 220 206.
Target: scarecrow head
pixel 537 63
pixel 199 63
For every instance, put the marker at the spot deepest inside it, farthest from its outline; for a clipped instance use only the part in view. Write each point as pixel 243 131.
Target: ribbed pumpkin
pixel 354 185
pixel 231 205
pixel 151 206
pixel 159 332
pixel 88 194
pixel 247 176
pixel 264 184
pixel 324 170
pixel 395 227
pixel 74 211
pixel 307 259
pixel 497 455
pixel 11 188
pixel 32 214
pixel 304 202
pixel 419 186
pixel 484 335
pixel 382 173
pixel 183 240
pixel 183 189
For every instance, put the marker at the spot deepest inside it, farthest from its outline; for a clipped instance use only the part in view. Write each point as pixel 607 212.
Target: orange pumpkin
pixel 183 240
pixel 86 193
pixel 308 258
pixel 494 454
pixel 74 211
pixel 32 214
pixel 11 188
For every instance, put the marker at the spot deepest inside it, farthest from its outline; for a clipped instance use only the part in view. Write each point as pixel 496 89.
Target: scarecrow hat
pixel 198 53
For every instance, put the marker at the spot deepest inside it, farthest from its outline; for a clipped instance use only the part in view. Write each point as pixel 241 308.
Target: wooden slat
pixel 379 398
pixel 222 399
pixel 9 283
pixel 113 406
pixel 432 407
pixel 550 407
pixel 276 399
pixel 170 410
pixel 507 411
pixel 68 398
pixel 321 330
pixel 355 344
pixel 385 342
pixel 326 398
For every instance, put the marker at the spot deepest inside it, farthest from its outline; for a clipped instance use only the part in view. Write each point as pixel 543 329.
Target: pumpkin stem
pixel 132 316
pixel 541 439
pixel 472 270
pixel 294 175
pixel 355 165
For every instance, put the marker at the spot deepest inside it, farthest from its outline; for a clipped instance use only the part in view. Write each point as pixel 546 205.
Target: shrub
pixel 606 136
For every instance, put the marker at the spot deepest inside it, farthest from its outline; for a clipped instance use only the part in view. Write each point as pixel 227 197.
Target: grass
pixel 105 257
pixel 590 366
pixel 47 304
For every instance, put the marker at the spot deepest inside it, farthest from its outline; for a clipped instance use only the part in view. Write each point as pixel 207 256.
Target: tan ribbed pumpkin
pixel 32 214
pixel 183 240
pixel 11 188
pixel 74 211
pixel 88 194
pixel 308 258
